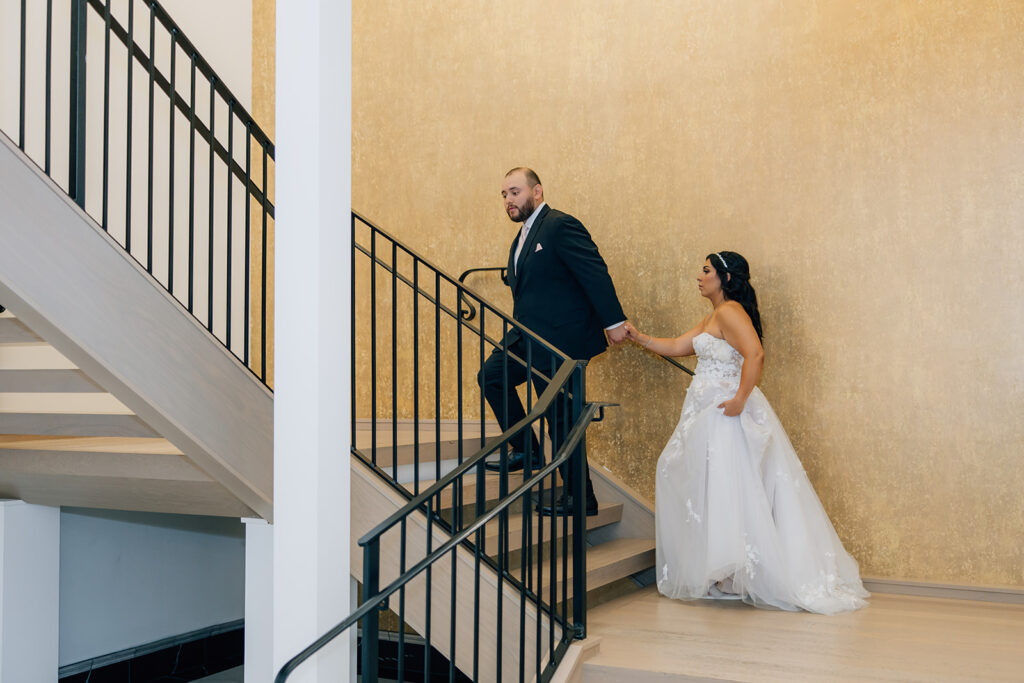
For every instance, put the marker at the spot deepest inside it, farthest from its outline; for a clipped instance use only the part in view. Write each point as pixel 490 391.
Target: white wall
pixel 29 539
pixel 131 578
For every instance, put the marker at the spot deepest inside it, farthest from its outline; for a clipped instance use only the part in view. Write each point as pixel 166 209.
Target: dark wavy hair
pixel 737 287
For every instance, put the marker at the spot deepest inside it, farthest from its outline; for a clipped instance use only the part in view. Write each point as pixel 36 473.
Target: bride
pixel 736 516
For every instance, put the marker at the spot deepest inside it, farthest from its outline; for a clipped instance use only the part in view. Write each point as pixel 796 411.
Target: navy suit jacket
pixel 562 290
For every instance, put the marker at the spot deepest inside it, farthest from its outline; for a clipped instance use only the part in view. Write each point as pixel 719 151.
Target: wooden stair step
pixel 405 453
pixel 608 562
pixel 607 513
pixel 491 488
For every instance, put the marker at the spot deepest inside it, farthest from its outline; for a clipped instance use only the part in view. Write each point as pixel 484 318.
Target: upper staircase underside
pixel 66 441
pixel 100 349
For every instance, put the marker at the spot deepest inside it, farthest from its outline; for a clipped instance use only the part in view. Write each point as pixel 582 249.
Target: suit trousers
pixel 499 379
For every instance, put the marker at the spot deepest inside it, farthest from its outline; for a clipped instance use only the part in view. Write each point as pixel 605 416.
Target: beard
pixel 525 212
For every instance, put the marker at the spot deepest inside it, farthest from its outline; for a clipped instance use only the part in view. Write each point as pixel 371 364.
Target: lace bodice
pixel 716 358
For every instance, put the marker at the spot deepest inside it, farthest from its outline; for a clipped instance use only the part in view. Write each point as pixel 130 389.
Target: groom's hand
pixel 617 335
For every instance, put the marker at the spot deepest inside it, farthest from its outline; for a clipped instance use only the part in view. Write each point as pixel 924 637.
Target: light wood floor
pixel 646 637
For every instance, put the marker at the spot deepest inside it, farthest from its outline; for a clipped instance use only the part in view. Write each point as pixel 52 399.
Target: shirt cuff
pixel 618 324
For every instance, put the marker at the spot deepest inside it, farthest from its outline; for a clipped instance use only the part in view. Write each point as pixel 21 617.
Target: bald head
pixel 528 173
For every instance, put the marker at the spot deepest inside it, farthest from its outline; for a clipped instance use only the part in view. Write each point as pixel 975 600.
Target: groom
pixel 562 291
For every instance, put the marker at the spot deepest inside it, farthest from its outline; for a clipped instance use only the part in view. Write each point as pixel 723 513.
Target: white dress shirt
pixel 523 232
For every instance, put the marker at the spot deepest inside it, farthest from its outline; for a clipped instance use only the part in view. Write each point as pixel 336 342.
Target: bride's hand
pixel 632 333
pixel 732 407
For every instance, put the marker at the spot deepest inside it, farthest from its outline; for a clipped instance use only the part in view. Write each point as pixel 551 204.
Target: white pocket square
pixel 538 248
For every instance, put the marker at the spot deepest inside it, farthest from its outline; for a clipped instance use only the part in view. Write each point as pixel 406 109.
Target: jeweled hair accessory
pixel 722 260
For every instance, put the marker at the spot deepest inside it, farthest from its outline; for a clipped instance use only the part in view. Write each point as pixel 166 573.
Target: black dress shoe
pixel 516 459
pixel 564 507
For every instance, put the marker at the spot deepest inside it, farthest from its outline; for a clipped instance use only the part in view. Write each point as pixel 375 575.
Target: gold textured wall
pixel 868 159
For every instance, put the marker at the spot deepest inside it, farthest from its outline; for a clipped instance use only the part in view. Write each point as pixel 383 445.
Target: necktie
pixel 519 247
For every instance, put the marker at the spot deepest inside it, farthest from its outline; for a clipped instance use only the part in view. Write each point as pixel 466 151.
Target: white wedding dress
pixel 734 504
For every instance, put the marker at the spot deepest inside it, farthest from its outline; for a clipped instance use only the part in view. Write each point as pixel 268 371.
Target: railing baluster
pixel 415 374
pixel 579 559
pixel 263 277
pixel 394 360
pixel 248 254
pixel 352 321
pixel 477 551
pixel 373 346
pixel 437 374
pixel 401 609
pixel 106 111
pixel 128 122
pixel 76 120
pixel 452 641
pixel 228 253
pixel 540 574
pixel 192 183
pixel 524 584
pixel 371 628
pixel 460 490
pixel 49 88
pixel 210 205
pixel 170 165
pixel 481 471
pixel 553 563
pixel 149 204
pixel 428 588
pixel 23 66
pixel 499 609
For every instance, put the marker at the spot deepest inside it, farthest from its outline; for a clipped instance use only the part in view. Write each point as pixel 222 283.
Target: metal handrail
pixel 471 312
pixel 557 385
pixel 373 602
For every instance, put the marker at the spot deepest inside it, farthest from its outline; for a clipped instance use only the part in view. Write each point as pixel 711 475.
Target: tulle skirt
pixel 736 512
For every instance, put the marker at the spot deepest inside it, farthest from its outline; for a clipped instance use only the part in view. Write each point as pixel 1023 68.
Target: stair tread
pixel 88 444
pixel 491 487
pixel 610 561
pixel 608 513
pixel 607 554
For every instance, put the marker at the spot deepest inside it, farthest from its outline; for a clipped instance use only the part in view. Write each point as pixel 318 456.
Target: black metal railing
pixel 414 355
pixel 167 161
pixel 551 601
pixel 468 310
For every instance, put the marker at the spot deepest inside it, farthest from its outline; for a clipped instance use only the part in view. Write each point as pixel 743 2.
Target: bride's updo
pixel 737 287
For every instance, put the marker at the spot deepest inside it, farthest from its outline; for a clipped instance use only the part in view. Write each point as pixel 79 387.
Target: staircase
pixel 128 377
pixel 612 555
pixel 99 349
pixel 66 441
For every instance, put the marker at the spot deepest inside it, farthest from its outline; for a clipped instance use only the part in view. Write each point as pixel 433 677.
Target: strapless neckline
pixel 702 334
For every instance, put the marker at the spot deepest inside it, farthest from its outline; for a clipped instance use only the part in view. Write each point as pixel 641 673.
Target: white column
pixel 29 591
pixel 311 333
pixel 259 601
